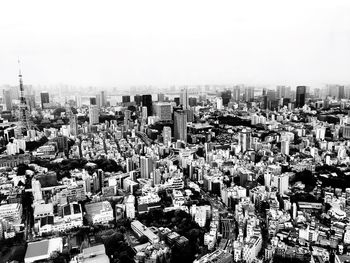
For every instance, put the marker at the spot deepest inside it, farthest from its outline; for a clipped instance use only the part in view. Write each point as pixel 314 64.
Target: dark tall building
pixel 236 93
pixel 93 101
pixel 226 97
pixel 126 99
pixel 180 125
pixel 147 102
pixel 44 98
pixel 177 101
pixel 192 102
pixel 300 96
pixel 138 100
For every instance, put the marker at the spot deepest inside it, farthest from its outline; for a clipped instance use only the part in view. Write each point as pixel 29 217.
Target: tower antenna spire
pixel 19 68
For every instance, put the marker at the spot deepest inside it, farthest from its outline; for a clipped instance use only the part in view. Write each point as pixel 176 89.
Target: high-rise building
pixel 249 93
pixel 180 125
pixel 219 104
pixel 147 102
pixel 282 183
pixel 245 139
pixel 103 99
pixel 93 115
pixel 44 98
pixel 138 100
pixel 285 147
pixel 163 111
pixel 236 93
pixel 126 99
pixel 226 97
pixel 93 101
pixel 166 135
pixel 300 96
pixel 98 101
pixel 30 99
pixel 160 97
pixel 146 164
pixel 7 99
pixel 282 92
pixel 144 113
pixel 192 102
pixel 184 98
pixel 73 124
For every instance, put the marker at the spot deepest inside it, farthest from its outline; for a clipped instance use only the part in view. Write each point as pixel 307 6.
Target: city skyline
pixel 118 44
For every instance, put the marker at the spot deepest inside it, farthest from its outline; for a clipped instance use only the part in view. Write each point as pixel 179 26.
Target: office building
pixel 103 99
pixel 138 100
pixel 166 135
pixel 300 96
pixel 144 113
pixel 245 140
pixel 7 99
pixel 146 164
pixel 285 147
pixel 141 230
pixel 99 212
pixel 236 93
pixel 44 99
pixel 219 103
pixel 93 101
pixel 180 125
pixel 163 111
pixel 192 102
pixel 98 101
pixel 161 97
pixel 184 98
pixel 73 124
pixel 226 97
pixel 249 94
pixel 147 102
pixel 93 115
pixel 125 99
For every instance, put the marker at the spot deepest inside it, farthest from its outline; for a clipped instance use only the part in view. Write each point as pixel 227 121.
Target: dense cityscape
pixel 208 173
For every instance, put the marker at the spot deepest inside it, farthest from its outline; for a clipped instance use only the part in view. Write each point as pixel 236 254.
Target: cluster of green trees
pixel 340 181
pixel 63 168
pixel 33 145
pixel 116 246
pixel 182 223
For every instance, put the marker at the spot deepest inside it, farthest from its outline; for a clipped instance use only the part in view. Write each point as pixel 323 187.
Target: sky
pixel 182 42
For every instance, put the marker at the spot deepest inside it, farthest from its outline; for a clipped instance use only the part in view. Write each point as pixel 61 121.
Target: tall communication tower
pixel 24 116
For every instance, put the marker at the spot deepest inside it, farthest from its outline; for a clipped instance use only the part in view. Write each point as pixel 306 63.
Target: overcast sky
pixel 111 43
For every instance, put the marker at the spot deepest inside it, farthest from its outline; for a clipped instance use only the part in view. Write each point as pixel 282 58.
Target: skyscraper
pixel 44 98
pixel 249 94
pixel 245 140
pixel 98 101
pixel 93 115
pixel 7 99
pixel 184 98
pixel 300 96
pixel 163 111
pixel 285 147
pixel 160 97
pixel 93 101
pixel 226 97
pixel 146 163
pixel 103 99
pixel 180 125
pixel 166 135
pixel 126 99
pixel 236 93
pixel 138 100
pixel 73 124
pixel 147 102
